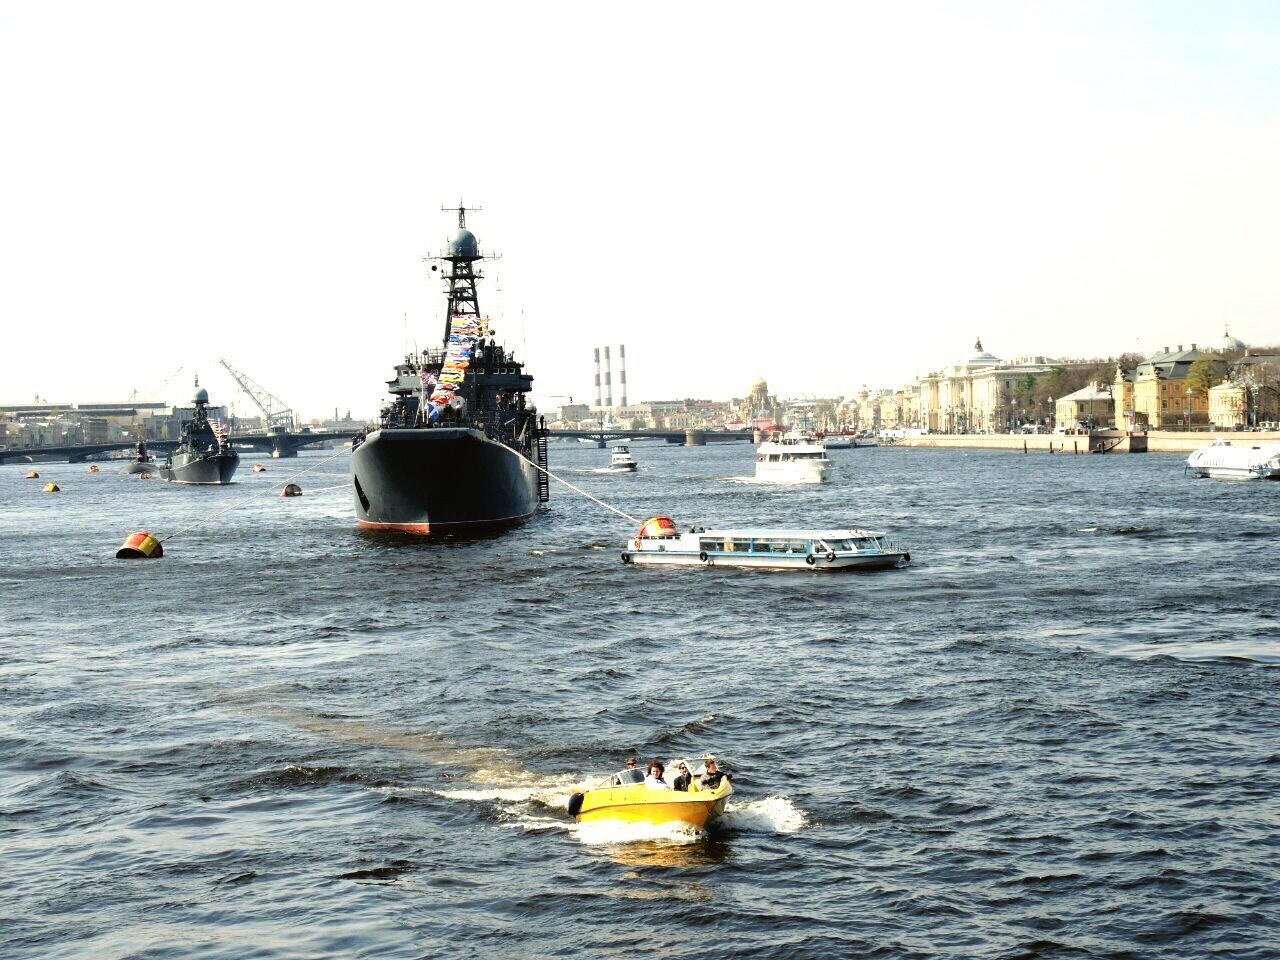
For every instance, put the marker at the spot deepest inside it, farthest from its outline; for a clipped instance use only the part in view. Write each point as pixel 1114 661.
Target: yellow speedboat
pixel 625 796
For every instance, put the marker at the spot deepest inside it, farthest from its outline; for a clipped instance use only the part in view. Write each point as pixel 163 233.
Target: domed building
pixel 976 394
pixel 1228 343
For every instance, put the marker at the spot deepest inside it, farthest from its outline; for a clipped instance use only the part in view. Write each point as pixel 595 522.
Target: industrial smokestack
pixel 608 375
pixel 622 372
pixel 599 400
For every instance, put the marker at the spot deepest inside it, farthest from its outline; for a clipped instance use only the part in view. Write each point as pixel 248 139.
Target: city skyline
pixel 1070 182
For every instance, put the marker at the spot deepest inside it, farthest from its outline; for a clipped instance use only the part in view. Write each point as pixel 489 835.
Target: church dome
pixel 1228 342
pixel 981 358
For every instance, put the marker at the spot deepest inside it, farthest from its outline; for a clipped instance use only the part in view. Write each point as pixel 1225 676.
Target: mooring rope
pixel 336 486
pixel 579 490
pixel 260 493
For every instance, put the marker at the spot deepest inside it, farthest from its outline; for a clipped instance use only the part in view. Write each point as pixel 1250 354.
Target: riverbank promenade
pixel 1102 441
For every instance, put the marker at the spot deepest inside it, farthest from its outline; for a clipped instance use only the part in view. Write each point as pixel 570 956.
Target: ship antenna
pixel 461 210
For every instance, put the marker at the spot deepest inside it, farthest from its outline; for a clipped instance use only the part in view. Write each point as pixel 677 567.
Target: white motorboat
pixel 792 458
pixel 837 441
pixel 660 542
pixel 621 461
pixel 1222 460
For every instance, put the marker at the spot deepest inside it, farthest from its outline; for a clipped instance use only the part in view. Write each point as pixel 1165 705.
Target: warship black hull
pixel 215 469
pixel 454 450
pixel 446 481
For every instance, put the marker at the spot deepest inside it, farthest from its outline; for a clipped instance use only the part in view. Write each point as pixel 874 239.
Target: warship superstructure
pixel 455 449
pixel 203 455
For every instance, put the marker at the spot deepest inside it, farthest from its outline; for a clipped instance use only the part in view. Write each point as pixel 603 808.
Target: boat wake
pixel 523 800
pixel 765 482
pixel 1206 651
pixel 536 803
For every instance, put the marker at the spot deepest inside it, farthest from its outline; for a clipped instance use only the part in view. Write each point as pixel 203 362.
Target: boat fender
pixel 831 555
pixel 907 557
pixel 575 804
pixel 810 560
pixel 703 556
pixel 626 557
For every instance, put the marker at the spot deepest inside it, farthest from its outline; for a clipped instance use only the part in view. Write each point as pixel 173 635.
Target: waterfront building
pixel 978 394
pixel 1162 399
pixel 1122 397
pixel 1229 405
pixel 1091 406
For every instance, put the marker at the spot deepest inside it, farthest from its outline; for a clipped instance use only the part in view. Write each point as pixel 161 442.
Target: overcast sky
pixel 828 195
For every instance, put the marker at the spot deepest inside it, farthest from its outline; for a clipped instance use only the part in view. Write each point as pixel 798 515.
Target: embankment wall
pixel 1156 442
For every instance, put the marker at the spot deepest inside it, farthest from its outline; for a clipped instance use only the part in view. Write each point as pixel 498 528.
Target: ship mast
pixel 460 253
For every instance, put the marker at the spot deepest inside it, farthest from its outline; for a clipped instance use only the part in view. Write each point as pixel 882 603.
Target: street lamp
pixel 1186 423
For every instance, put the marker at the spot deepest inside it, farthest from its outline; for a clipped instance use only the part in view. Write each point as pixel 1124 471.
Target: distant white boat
pixel 837 441
pixel 793 458
pixel 621 461
pixel 1223 461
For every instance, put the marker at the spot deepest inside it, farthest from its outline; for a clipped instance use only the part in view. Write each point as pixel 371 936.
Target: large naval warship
pixel 454 450
pixel 203 455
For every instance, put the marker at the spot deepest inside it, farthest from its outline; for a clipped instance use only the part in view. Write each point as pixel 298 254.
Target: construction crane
pixel 150 394
pixel 276 411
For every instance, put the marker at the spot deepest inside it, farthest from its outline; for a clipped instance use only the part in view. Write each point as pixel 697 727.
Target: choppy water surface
pixel 1053 736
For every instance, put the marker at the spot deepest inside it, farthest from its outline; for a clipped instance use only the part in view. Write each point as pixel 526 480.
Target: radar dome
pixel 464 245
pixel 202 395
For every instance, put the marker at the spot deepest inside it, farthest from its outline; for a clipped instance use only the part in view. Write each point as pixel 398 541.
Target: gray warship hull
pixel 210 469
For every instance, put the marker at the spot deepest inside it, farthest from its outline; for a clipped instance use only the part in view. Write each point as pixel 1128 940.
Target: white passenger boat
pixel 792 458
pixel 1224 461
pixel 837 441
pixel 621 461
pixel 660 542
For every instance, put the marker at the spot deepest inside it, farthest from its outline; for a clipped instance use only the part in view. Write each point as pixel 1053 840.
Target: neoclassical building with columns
pixel 976 394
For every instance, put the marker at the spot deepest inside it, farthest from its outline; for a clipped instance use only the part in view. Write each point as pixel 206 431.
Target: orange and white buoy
pixel 94 468
pixel 140 546
pixel 33 475
pixel 144 475
pixel 51 487
pixel 291 490
pixel 258 468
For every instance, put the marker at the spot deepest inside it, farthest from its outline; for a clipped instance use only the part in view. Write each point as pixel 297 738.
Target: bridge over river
pixel 277 443
pixel 690 438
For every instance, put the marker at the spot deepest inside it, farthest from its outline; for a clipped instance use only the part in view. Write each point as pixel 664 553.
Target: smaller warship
pixel 203 455
pixel 142 463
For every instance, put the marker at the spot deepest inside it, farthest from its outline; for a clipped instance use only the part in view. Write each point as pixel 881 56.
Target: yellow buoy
pixel 291 490
pixel 51 488
pixel 32 475
pixel 140 546
pixel 144 476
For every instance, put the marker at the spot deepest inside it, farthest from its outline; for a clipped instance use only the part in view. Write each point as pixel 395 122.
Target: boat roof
pixel 788 533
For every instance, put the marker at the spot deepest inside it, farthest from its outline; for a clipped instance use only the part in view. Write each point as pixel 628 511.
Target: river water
pixel 1053 735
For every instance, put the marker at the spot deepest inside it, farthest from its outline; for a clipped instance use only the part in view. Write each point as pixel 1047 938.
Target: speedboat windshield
pixel 630 776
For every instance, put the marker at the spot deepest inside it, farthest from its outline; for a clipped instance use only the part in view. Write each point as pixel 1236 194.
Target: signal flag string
pixel 260 493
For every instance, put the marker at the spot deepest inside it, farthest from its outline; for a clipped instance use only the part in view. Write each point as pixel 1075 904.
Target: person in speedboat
pixel 654 780
pixel 683 778
pixel 712 775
